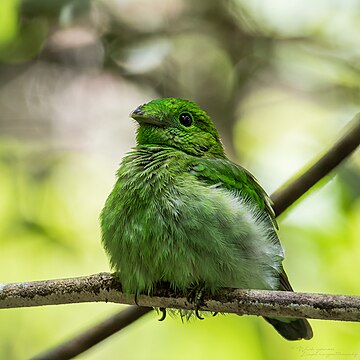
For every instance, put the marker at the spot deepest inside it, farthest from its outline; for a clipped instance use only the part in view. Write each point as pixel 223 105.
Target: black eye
pixel 186 119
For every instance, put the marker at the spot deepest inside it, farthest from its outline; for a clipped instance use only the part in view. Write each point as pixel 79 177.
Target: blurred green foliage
pixel 280 79
pixel 8 21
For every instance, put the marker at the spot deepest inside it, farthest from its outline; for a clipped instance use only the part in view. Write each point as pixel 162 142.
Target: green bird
pixel 182 213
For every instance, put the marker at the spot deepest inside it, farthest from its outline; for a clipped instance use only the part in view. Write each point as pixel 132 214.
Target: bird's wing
pixel 284 281
pixel 224 173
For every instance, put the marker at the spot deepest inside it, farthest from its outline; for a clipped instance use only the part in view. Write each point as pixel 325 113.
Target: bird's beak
pixel 139 115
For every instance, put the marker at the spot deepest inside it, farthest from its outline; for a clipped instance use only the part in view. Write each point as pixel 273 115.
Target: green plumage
pixel 182 213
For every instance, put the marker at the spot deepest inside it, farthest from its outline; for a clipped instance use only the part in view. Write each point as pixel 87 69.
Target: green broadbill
pixel 182 213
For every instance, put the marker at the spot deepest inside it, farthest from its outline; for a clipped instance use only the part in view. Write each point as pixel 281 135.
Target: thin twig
pixel 104 287
pixel 282 198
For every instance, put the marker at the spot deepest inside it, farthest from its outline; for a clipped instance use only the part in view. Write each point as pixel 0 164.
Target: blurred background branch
pixel 96 334
pixel 287 195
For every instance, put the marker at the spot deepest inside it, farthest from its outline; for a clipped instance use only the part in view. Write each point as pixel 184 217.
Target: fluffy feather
pixel 181 212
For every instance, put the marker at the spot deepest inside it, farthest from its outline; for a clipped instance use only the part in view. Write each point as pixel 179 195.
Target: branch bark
pixel 104 287
pixel 335 307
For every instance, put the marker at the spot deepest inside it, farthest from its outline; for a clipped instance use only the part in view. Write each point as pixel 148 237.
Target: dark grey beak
pixel 139 115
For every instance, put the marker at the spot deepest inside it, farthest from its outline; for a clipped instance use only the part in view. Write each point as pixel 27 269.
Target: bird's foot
pixel 162 285
pixel 136 298
pixel 196 296
pixel 163 315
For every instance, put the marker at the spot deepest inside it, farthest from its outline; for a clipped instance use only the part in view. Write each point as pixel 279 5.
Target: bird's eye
pixel 185 119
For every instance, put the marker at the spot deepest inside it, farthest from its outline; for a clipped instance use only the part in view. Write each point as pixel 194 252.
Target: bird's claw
pixel 197 313
pixel 196 297
pixel 163 315
pixel 136 299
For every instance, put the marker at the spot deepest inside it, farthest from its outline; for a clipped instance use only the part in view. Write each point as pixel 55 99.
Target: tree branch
pixel 292 191
pixel 104 287
pixel 338 306
pixel 95 334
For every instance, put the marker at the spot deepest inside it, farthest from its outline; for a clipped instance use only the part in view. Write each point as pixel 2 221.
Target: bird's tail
pixel 291 329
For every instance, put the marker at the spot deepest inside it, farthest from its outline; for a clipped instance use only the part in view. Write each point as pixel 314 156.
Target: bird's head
pixel 177 123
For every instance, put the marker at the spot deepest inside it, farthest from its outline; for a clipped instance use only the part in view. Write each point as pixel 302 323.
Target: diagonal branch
pixel 95 334
pixel 282 199
pixel 287 195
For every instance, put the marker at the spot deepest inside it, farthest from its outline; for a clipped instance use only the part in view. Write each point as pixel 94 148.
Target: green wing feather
pixel 233 177
pixel 223 172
